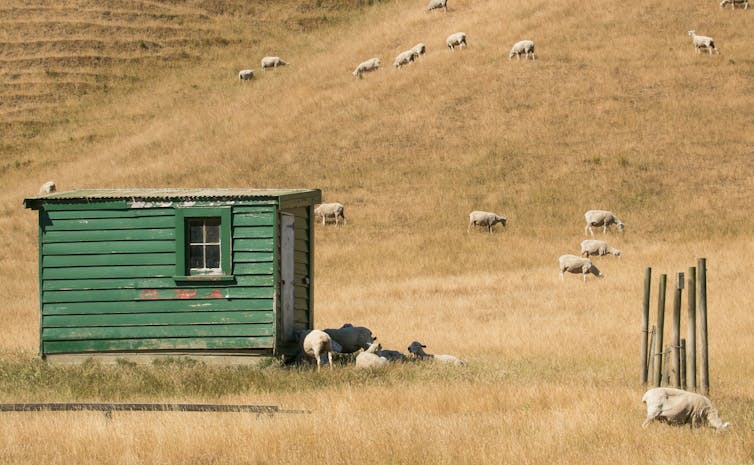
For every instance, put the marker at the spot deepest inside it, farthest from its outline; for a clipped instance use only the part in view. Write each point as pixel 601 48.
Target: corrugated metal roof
pixel 171 194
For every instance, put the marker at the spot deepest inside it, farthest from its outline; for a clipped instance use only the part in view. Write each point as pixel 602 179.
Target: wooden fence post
pixel 703 349
pixel 645 325
pixel 676 330
pixel 691 338
pixel 683 364
pixel 660 328
pixel 651 355
pixel 666 367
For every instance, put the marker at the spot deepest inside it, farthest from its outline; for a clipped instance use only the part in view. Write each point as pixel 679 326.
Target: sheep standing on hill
pixel 436 5
pixel 370 358
pixel 602 218
pixel 246 74
pixel 705 42
pixel 678 407
pixel 488 219
pixel 416 348
pixel 420 49
pixel 575 264
pixel 456 40
pixel 317 343
pixel 596 247
pixel 405 58
pixel 47 188
pixel 373 64
pixel 330 210
pixel 744 3
pixel 351 338
pixel 523 47
pixel 272 62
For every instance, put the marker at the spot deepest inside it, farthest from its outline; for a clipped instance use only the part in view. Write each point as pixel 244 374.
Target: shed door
pixel 287 287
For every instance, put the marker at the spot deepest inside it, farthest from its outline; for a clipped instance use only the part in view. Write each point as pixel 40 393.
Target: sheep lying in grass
pixel 246 74
pixel 523 47
pixel 417 349
pixel 678 407
pixel 405 58
pixel 272 62
pixel 392 355
pixel 370 358
pixel 602 218
pixel 705 42
pixel 436 5
pixel 330 210
pixel 317 343
pixel 574 264
pixel 47 188
pixel 373 64
pixel 486 219
pixel 743 3
pixel 456 40
pixel 351 338
pixel 596 247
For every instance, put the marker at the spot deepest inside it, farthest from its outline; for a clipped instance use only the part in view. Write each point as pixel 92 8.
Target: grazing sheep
pixel 246 74
pixel 701 42
pixel 405 58
pixel 373 64
pixel 678 407
pixel 575 264
pixel 272 62
pixel 370 358
pixel 47 188
pixel 597 247
pixel 602 218
pixel 317 343
pixel 523 47
pixel 330 210
pixel 479 218
pixel 351 338
pixel 744 3
pixel 417 349
pixel 436 5
pixel 420 49
pixel 457 39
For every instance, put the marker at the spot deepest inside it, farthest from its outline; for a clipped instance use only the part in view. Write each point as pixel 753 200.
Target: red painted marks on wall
pixel 185 293
pixel 215 294
pixel 149 294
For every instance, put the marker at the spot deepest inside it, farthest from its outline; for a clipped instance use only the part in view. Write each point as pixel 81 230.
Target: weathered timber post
pixel 683 364
pixel 676 330
pixel 645 324
pixel 666 366
pixel 703 350
pixel 660 328
pixel 691 338
pixel 651 355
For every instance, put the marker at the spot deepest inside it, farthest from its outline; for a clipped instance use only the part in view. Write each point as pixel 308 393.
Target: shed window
pixel 203 243
pixel 204 246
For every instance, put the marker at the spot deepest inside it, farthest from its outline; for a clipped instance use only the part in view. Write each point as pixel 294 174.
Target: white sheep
pixel 370 358
pixel 272 62
pixel 744 3
pixel 456 39
pixel 372 64
pixel 596 247
pixel 416 348
pixel 436 5
pixel 405 58
pixel 47 188
pixel 701 42
pixel 330 210
pixel 678 407
pixel 575 264
pixel 246 74
pixel 351 338
pixel 420 49
pixel 488 219
pixel 317 343
pixel 523 47
pixel 602 218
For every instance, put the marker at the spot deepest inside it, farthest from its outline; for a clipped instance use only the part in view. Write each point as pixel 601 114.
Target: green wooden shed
pixel 174 271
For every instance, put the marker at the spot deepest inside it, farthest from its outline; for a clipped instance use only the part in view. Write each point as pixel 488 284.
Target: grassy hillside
pixel 618 113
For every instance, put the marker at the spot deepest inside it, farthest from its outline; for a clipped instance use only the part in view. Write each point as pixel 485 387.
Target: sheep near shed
pixel 678 407
pixel 458 39
pixel 405 58
pixel 596 247
pixel 47 188
pixel 370 358
pixel 602 218
pixel 488 219
pixel 436 5
pixel 330 210
pixel 523 47
pixel 575 264
pixel 246 74
pixel 351 338
pixel 743 3
pixel 272 62
pixel 373 64
pixel 705 42
pixel 416 348
pixel 317 343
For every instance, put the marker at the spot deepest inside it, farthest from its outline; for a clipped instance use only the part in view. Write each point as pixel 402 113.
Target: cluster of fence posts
pixel 675 364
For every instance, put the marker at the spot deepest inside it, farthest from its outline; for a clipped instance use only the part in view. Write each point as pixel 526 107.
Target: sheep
pixel 47 188
pixel 316 343
pixel 416 348
pixel 272 62
pixel 436 5
pixel 479 218
pixel 420 49
pixel 330 210
pixel 457 39
pixel 351 338
pixel 392 355
pixel 602 218
pixel 744 3
pixel 575 264
pixel 405 58
pixel 373 64
pixel 597 247
pixel 523 47
pixel 370 358
pixel 701 42
pixel 246 74
pixel 678 407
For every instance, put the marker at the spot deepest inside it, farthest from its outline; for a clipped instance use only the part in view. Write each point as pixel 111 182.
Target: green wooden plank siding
pixel 145 283
pixel 155 306
pixel 142 319
pixel 155 331
pixel 171 344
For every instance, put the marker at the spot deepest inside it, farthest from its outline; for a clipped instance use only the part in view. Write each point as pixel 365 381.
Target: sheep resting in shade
pixel 416 348
pixel 370 358
pixel 315 344
pixel 678 407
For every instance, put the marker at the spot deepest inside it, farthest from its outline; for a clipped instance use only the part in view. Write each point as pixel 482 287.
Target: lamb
pixel 479 218
pixel 436 5
pixel 405 58
pixel 47 188
pixel 678 407
pixel 373 64
pixel 416 348
pixel 744 3
pixel 272 62
pixel 523 47
pixel 330 210
pixel 351 338
pixel 246 74
pixel 457 39
pixel 420 49
pixel 701 42
pixel 316 344
pixel 597 247
pixel 392 355
pixel 602 218
pixel 370 358
pixel 574 264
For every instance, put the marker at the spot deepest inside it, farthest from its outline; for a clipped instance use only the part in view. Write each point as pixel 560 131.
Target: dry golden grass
pixel 617 113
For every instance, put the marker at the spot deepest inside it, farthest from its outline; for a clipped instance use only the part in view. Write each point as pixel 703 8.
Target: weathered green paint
pixel 145 345
pixel 155 306
pixel 176 318
pixel 145 283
